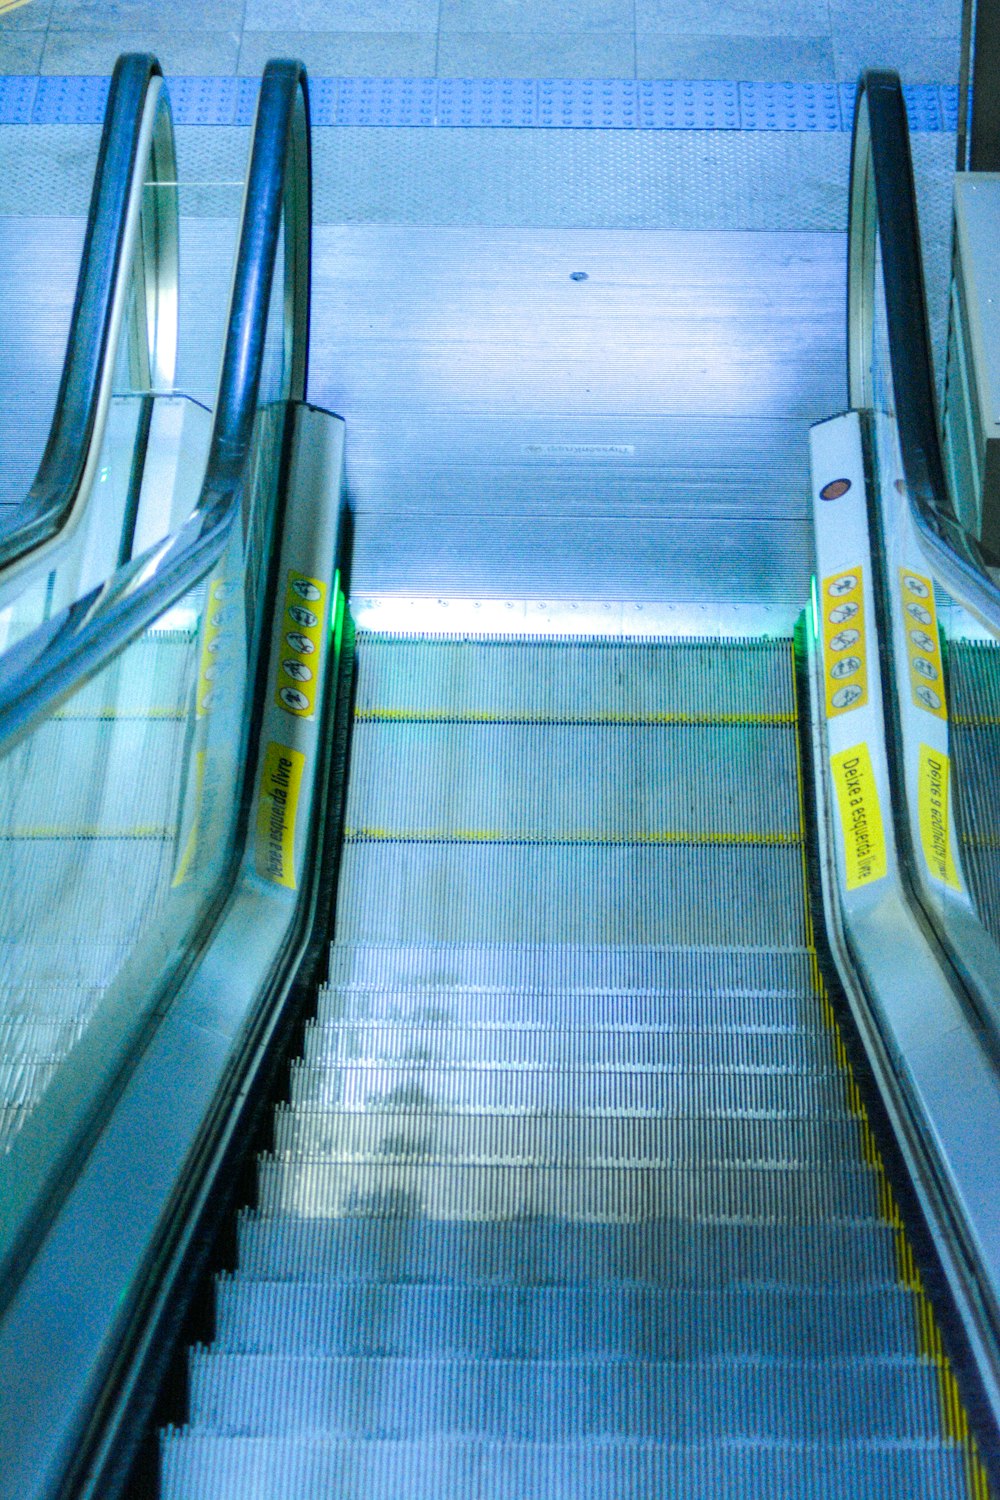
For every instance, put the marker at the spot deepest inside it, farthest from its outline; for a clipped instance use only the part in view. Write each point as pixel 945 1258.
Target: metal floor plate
pixel 638 433
pixel 512 433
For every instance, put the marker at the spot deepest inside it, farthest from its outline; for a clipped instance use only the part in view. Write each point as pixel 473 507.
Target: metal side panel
pixel 940 1069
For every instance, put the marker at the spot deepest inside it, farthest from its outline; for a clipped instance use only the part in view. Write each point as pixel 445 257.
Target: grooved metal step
pixel 570 680
pixel 424 892
pixel 535 1252
pixel 410 1135
pixel 615 1322
pixel 692 1093
pixel 443 1188
pixel 561 1400
pixel 663 1048
pixel 543 972
pixel 649 783
pixel 364 1013
pixel 205 1466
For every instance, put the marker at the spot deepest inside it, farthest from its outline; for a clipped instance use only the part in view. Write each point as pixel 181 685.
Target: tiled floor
pixel 739 39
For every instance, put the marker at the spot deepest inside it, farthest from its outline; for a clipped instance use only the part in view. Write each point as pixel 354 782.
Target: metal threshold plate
pixel 580 415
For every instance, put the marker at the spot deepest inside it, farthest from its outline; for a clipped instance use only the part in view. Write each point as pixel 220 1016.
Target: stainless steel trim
pixel 878 955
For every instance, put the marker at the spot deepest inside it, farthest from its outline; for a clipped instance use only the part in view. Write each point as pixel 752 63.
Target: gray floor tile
pixel 744 57
pixel 341 15
pixel 154 15
pixel 31 17
pixel 20 51
pixel 734 18
pixel 349 54
pixel 466 54
pixel 916 58
pixel 921 18
pixel 179 52
pixel 520 17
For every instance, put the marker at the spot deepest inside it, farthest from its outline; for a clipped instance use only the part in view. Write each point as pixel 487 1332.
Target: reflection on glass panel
pixel 93 550
pixel 118 818
pixel 90 810
pixel 119 814
pixel 972 663
pixel 948 686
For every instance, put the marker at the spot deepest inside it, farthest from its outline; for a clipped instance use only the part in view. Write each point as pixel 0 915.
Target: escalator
pixel 597 1157
pixel 573 1192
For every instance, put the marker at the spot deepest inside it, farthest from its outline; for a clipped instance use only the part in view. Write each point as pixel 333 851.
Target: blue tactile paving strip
pixel 17 100
pixel 548 103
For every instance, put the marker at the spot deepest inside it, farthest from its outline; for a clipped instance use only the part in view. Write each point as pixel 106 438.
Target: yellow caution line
pixel 153 831
pixel 127 715
pixel 6 5
pixel 492 836
pixel 446 716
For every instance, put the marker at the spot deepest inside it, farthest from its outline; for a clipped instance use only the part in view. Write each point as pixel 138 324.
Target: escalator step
pixel 535 1252
pixel 651 1139
pixel 691 1092
pixel 496 781
pixel 574 680
pixel 203 1466
pixel 572 1194
pixel 895 1400
pixel 375 1011
pixel 608 1321
pixel 580 1046
pixel 414 893
pixel 603 1192
pixel 551 970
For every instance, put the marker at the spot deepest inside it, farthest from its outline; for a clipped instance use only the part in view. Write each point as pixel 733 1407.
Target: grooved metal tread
pixel 547 971
pixel 206 1466
pixel 584 1139
pixel 522 1400
pixel 656 1252
pixel 618 1321
pixel 601 1192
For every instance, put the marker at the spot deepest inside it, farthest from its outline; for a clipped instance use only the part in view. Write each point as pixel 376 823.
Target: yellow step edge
pixel 54 831
pixel 127 715
pixel 446 716
pixel 493 836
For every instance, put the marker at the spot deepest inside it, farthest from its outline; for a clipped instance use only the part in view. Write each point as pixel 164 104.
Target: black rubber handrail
pixel 38 673
pixel 883 200
pixel 131 143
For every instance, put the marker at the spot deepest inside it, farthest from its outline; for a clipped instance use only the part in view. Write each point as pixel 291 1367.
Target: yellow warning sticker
pixel 300 653
pixel 277 809
pixel 214 641
pixel 845 668
pixel 934 804
pixel 860 816
pixel 923 644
